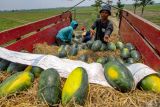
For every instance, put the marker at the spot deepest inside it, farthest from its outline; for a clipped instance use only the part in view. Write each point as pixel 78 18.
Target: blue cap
pixel 106 7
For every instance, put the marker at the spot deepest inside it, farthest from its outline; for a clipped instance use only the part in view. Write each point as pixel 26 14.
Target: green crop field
pixel 15 18
pixel 84 15
pixel 151 12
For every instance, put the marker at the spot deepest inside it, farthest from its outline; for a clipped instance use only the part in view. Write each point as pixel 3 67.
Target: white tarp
pixel 139 71
pixel 63 66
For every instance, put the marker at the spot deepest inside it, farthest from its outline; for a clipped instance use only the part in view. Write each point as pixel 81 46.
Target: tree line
pixel 136 4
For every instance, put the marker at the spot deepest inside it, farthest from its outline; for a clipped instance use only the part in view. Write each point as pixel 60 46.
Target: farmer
pixel 104 26
pixel 64 36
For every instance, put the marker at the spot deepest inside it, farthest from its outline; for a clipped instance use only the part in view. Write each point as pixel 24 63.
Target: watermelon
pixel 130 60
pixel 83 45
pixel 36 71
pixel 103 47
pixel 75 45
pixel 118 76
pixel 101 60
pixel 130 46
pixel 83 57
pixel 111 58
pixel 67 47
pixel 17 82
pixel 4 64
pixel 96 45
pixel 135 55
pixel 119 45
pixel 89 44
pixel 111 46
pixel 15 67
pixel 76 87
pixel 125 53
pixel 120 60
pixel 49 87
pixel 62 52
pixel 150 83
pixel 73 51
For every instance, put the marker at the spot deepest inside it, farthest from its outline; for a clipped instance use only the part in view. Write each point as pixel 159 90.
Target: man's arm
pixel 108 32
pixel 92 31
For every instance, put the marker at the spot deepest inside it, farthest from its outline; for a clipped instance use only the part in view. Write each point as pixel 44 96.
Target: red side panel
pixel 15 33
pixel 150 31
pixel 130 33
pixel 47 35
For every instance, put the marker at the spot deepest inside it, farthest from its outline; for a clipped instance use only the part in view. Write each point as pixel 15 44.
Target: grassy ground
pixel 16 18
pixel 85 16
pixel 151 13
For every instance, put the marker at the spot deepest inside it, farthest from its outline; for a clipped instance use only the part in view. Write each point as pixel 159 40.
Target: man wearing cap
pixel 104 27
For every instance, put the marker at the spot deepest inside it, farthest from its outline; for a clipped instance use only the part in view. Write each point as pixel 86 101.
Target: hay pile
pixel 45 49
pixel 99 96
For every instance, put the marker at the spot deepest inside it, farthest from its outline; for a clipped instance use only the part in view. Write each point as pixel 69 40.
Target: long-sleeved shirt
pixel 65 34
pixel 102 29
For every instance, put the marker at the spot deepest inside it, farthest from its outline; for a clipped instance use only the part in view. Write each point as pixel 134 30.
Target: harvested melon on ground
pixel 103 47
pixel 15 67
pixel 135 55
pixel 102 60
pixel 83 58
pixel 118 76
pixel 76 87
pixel 62 52
pixel 119 45
pixel 125 53
pixel 150 83
pixel 36 71
pixel 49 88
pixel 89 44
pixel 111 46
pixel 17 82
pixel 130 61
pixel 73 51
pixel 4 64
pixel 130 46
pixel 111 58
pixel 96 45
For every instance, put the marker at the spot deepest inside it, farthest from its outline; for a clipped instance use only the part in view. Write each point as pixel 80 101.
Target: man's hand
pixel 106 38
pixel 92 32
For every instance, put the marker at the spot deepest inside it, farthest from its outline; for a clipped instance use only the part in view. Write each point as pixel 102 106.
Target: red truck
pixel 132 28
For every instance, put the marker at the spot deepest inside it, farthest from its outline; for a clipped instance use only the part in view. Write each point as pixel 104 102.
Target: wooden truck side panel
pixel 47 35
pixel 150 32
pixel 40 31
pixel 130 33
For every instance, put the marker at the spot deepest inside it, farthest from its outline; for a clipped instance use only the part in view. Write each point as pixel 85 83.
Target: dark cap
pixel 106 8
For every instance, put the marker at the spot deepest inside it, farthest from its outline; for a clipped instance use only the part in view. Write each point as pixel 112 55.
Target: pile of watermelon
pixel 76 86
pixel 127 55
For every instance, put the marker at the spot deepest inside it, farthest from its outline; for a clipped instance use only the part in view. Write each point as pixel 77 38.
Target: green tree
pixel 120 6
pixel 144 3
pixel 97 4
pixel 136 4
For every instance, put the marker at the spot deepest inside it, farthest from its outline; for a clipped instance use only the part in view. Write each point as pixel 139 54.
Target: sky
pixel 40 4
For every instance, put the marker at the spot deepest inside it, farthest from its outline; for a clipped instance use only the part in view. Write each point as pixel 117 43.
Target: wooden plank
pixel 15 33
pixel 150 31
pixel 129 34
pixel 47 35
